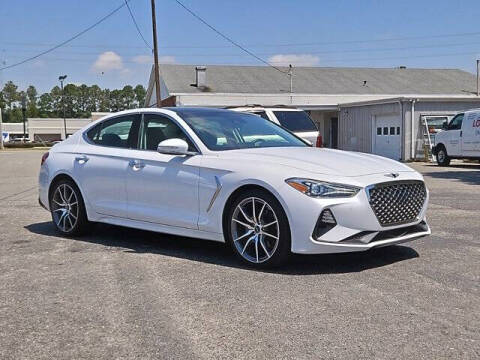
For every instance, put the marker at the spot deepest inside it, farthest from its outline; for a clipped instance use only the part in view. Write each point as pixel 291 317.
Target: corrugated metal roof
pixel 320 80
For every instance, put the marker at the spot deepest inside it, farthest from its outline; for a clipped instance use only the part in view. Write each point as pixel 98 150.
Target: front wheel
pixel 258 229
pixel 67 209
pixel 442 157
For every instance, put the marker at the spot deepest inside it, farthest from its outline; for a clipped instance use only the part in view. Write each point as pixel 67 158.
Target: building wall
pixel 355 125
pixel 50 129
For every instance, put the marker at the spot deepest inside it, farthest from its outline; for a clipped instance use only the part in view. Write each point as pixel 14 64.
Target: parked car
pixel 231 177
pixel 292 119
pixel 460 138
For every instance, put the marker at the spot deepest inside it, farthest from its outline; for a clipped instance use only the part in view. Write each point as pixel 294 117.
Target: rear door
pixel 101 165
pixel 471 134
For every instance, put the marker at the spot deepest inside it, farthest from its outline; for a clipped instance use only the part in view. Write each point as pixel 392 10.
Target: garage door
pixel 387 136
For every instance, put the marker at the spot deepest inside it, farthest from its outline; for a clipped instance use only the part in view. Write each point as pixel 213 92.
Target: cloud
pixel 108 61
pixel 143 59
pixel 294 59
pixel 148 59
pixel 167 59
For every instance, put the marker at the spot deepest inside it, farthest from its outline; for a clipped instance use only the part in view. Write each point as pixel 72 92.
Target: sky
pixel 347 33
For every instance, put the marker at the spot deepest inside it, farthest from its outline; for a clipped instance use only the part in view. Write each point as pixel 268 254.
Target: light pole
pixel 24 117
pixel 61 78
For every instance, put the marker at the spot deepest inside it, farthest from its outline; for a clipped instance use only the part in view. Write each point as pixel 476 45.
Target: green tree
pixel 128 96
pixel 10 94
pixel 104 103
pixel 45 105
pixel 140 94
pixel 56 95
pixel 32 109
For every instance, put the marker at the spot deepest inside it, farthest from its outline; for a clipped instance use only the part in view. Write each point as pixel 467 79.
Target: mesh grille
pixel 398 202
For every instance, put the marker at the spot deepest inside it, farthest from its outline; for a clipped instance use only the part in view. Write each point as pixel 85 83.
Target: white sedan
pixel 230 177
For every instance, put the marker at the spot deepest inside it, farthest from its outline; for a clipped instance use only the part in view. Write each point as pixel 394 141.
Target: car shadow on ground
pixel 467 173
pixel 139 241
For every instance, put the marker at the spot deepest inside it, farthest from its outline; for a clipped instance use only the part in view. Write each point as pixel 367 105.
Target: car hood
pixel 318 160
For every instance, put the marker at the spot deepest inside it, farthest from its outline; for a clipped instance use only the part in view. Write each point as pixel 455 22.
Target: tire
pixel 68 209
pixel 261 240
pixel 442 157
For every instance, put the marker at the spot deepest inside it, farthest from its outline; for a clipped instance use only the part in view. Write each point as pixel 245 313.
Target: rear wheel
pixel 442 157
pixel 258 229
pixel 67 208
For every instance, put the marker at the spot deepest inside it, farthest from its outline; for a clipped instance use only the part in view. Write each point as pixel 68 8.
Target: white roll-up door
pixel 387 136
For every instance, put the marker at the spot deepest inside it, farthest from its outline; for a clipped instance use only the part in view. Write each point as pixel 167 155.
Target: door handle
pixel 81 159
pixel 136 164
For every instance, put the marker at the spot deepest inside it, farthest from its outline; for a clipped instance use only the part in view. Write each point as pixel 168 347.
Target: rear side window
pixel 120 132
pixel 295 121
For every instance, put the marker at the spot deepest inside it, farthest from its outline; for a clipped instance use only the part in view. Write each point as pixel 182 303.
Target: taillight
pixel 319 141
pixel 44 158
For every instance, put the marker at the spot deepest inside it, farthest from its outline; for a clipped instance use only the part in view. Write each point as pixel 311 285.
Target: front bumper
pixel 369 240
pixel 357 227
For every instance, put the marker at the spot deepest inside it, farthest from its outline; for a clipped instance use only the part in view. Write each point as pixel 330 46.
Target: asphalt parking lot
pixel 121 293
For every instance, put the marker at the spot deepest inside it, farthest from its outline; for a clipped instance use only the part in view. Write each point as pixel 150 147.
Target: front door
pixel 454 136
pixel 101 166
pixel 162 188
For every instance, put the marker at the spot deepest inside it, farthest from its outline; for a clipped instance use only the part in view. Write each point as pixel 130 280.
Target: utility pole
pixel 1 131
pixel 478 77
pixel 62 78
pixel 155 57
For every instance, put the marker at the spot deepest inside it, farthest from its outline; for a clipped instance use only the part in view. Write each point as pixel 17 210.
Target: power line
pixel 66 41
pixel 331 60
pixel 229 39
pixel 325 52
pixel 10 43
pixel 136 25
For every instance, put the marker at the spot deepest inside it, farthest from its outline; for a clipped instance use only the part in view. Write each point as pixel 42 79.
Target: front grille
pixel 397 202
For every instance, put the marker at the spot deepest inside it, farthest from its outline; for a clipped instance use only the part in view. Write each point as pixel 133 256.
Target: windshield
pixel 295 120
pixel 228 130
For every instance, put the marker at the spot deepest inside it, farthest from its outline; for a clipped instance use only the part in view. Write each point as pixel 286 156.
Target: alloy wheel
pixel 65 207
pixel 255 230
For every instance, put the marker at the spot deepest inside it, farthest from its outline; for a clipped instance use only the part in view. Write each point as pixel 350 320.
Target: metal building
pixel 349 105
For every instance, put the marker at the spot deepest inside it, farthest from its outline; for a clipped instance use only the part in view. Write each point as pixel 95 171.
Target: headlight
pixel 322 189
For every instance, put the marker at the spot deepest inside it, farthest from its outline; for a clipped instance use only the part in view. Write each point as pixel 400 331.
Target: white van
pixel 293 119
pixel 460 138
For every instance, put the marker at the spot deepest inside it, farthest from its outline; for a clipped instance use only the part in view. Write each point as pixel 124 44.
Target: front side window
pixel 295 121
pixel 456 123
pixel 157 128
pixel 228 130
pixel 121 132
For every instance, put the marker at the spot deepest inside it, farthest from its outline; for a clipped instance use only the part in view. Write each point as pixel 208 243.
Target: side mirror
pixel 173 147
pixel 445 125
